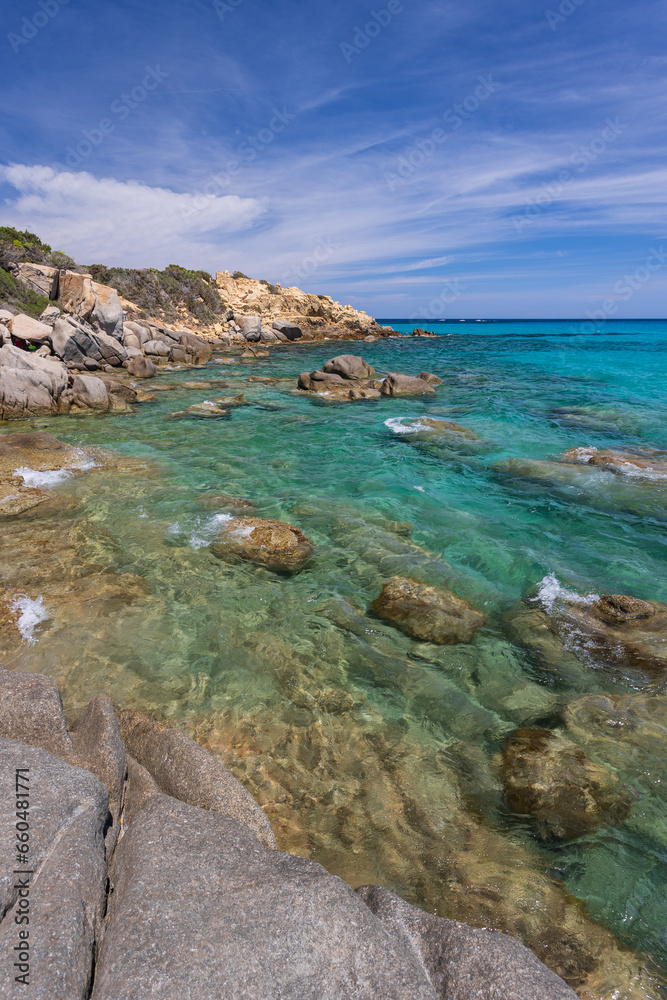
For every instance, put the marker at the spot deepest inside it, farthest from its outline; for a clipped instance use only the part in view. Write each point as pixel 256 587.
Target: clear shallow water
pixel 374 754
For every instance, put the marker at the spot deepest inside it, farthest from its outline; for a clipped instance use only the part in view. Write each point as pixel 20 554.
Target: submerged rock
pixel 223 502
pixel 430 428
pixel 207 410
pixel 554 781
pixel 428 613
pixel 643 463
pixel 274 544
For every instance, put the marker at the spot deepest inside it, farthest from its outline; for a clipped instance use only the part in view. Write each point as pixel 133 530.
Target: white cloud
pixel 116 222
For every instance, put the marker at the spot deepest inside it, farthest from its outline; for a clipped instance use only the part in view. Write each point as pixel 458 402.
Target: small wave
pixel 398 426
pixel 551 590
pixel 31 614
pixel 206 530
pixel 36 479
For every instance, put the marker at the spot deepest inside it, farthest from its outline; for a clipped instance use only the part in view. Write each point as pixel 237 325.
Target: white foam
pixel 31 614
pixel 37 479
pixel 420 488
pixel 206 530
pixel 551 590
pixel 399 427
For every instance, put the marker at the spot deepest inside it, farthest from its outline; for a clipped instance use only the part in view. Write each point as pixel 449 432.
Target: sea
pixel 374 754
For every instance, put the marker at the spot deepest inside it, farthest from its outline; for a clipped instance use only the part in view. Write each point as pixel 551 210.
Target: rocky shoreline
pixel 150 868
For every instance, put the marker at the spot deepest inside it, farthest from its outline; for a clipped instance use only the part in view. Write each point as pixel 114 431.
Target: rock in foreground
pixel 428 613
pixel 273 544
pixel 461 961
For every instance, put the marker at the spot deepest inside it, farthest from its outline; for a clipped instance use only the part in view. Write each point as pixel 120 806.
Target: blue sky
pixel 417 159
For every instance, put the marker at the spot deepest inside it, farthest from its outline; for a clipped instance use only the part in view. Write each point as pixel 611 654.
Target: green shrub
pixel 239 274
pixel 14 293
pixel 165 293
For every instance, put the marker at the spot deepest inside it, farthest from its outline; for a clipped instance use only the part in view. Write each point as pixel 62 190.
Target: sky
pixel 416 158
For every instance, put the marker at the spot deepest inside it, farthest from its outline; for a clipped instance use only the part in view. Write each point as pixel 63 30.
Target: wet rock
pixel 279 922
pixel 180 767
pixel 430 428
pixel 396 384
pixel 349 366
pixel 223 502
pixel 559 786
pixel 68 813
pixel 273 544
pixel 614 629
pixel 643 464
pixel 142 368
pixel 428 613
pixel 463 962
pixel 251 352
pixel 16 499
pixel 430 378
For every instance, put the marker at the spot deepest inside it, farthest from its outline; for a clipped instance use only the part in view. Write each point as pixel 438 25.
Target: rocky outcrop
pixel 293 312
pixel 428 613
pixel 431 429
pixel 31 331
pixel 273 544
pixel 97 304
pixel 191 832
pixel 30 385
pixel 63 890
pixel 278 922
pixel 349 377
pixel 557 784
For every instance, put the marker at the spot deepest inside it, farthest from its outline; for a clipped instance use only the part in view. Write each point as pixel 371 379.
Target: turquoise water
pixel 311 681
